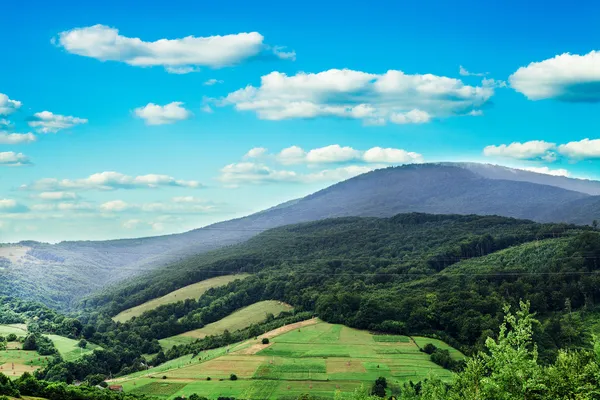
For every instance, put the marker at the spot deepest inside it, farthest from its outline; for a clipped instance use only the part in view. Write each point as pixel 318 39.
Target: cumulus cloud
pixel 12 159
pixel 391 156
pixel 8 106
pixel 547 171
pixel 464 72
pixel 212 82
pixel 57 196
pixel 255 173
pixel 116 206
pixel 12 206
pixel 338 154
pixel 583 149
pixel 535 149
pixel 176 55
pixel 47 122
pixel 110 180
pixel 256 152
pixel 16 138
pixel 375 99
pixel 154 114
pixel 63 206
pixel 566 77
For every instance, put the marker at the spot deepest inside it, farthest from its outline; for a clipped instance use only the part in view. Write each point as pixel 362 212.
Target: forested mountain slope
pixel 42 271
pixel 409 274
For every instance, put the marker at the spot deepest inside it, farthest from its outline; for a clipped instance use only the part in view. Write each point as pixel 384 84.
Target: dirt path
pixel 256 347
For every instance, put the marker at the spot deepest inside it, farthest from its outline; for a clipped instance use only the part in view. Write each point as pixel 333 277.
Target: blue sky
pixel 112 124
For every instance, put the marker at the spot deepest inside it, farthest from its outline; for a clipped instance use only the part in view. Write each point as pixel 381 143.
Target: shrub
pixel 429 348
pixel 265 341
pixel 233 377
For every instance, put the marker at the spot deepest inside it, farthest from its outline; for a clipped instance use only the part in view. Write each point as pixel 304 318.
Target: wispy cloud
pixel 48 122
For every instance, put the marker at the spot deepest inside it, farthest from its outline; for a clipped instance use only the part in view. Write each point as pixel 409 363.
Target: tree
pixel 30 343
pixel 82 343
pixel 595 224
pixel 233 377
pixel 265 340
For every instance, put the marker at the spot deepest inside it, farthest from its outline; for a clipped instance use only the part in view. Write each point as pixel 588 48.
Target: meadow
pixel 240 319
pixel 188 292
pixel 17 329
pixel 311 357
pixel 69 349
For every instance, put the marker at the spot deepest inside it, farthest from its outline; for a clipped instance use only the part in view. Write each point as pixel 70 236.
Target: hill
pixel 317 358
pixel 192 291
pixel 389 274
pixel 40 271
pixel 240 319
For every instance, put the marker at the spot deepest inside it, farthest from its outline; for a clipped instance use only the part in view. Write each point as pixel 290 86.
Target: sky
pixel 128 119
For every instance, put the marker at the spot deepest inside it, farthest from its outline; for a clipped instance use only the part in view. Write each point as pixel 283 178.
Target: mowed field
pixel 188 292
pixel 14 362
pixel 69 349
pixel 240 319
pixel 312 357
pixel 17 329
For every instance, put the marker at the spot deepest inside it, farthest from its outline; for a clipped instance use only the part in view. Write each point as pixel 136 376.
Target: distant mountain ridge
pixel 41 270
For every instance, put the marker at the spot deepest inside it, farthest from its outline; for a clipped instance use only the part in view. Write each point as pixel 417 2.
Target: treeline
pixel 28 385
pixel 508 369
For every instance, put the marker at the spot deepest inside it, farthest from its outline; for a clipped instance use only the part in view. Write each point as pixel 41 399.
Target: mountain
pixel 42 271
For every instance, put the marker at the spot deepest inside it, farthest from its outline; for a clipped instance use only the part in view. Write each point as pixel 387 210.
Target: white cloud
pixel 186 199
pixel 114 206
pixel 11 206
pixel 566 77
pixel 110 180
pixel 8 106
pixel 583 149
pixel 547 171
pixel 493 83
pixel 522 151
pixel 12 159
pixel 57 196
pixel 280 52
pixel 212 81
pixel 338 154
pixel 185 207
pixel 256 152
pixel 291 155
pixel 464 72
pixel 47 122
pixel 332 154
pixel 253 173
pixel 5 123
pixel 16 138
pixel 207 109
pixel 132 223
pixel 154 114
pixel 63 206
pixel 106 44
pixel 186 69
pixel 391 156
pixel 373 98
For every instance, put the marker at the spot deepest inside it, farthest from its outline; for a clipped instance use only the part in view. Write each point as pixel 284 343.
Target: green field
pixel 17 329
pixel 240 319
pixel 311 357
pixel 68 348
pixel 15 362
pixel 188 292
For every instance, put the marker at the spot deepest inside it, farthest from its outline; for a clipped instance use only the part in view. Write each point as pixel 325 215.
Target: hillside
pixel 192 291
pixel 317 358
pixel 389 274
pixel 41 271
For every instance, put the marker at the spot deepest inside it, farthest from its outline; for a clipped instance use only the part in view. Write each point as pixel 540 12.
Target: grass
pixel 17 329
pixel 240 319
pixel 69 349
pixel 317 359
pixel 188 292
pixel 15 362
pixel 454 353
